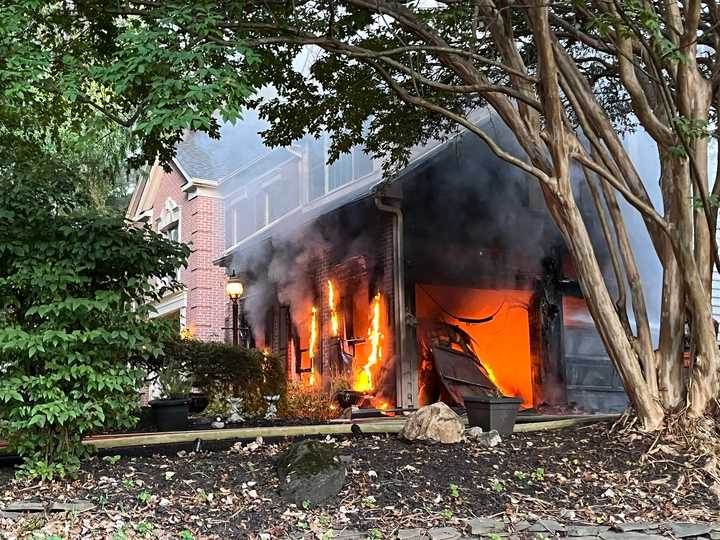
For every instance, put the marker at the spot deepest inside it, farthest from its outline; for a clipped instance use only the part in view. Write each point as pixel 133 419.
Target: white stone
pixel 436 422
pixel 474 432
pixel 490 439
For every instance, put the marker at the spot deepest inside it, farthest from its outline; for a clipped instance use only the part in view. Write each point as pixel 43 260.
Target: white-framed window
pixel 168 224
pixel 324 178
pixel 263 204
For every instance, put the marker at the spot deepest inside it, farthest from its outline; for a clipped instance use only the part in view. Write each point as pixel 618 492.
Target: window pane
pixel 284 196
pixel 341 171
pixel 260 218
pixel 172 233
pixel 362 162
pixel 244 219
pixel 316 164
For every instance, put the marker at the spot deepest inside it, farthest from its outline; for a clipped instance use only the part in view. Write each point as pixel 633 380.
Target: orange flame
pixel 492 376
pixel 313 343
pixel 382 405
pixel 364 379
pixel 334 325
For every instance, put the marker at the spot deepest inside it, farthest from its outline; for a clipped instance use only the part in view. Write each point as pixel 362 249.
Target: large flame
pixel 364 379
pixel 334 325
pixel 313 343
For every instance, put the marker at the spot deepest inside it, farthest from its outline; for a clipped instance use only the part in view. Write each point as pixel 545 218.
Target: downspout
pixel 403 398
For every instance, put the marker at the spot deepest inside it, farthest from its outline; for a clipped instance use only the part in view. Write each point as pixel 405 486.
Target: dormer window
pixel 169 222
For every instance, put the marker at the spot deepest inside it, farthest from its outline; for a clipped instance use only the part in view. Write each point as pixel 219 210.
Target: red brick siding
pixel 201 227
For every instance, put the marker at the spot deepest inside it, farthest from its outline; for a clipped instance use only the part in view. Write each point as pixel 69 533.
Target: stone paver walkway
pixel 546 529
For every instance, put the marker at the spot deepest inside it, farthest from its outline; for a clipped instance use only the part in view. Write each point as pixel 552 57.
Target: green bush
pixel 74 286
pixel 223 370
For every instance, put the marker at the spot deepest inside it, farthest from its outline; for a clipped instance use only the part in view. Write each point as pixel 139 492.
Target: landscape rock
pixel 546 525
pixel 349 534
pixel 436 422
pixel 12 516
pixel 310 471
pixel 444 533
pixel 473 432
pixel 611 535
pixel 489 438
pixel 684 530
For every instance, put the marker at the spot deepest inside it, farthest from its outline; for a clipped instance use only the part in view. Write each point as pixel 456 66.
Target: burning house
pixel 449 280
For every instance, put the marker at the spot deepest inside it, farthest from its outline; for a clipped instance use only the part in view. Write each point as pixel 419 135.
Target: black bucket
pixel 498 413
pixel 171 414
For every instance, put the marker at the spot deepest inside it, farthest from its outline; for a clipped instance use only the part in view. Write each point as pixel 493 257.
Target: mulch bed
pixel 581 474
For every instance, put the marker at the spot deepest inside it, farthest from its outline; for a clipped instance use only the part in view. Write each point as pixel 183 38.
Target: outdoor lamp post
pixel 234 290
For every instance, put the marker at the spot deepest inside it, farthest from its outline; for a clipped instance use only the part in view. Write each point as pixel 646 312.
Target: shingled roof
pixel 213 159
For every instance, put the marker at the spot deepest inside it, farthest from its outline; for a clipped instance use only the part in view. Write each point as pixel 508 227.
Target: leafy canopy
pixel 73 290
pixel 76 64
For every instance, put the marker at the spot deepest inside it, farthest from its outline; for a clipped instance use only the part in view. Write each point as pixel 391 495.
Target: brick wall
pixel 203 222
pixel 201 227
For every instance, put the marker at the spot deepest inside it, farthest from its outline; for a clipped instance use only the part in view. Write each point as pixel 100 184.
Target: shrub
pixel 308 402
pixel 73 291
pixel 223 370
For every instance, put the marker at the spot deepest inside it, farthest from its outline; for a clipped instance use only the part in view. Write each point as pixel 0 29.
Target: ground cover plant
pixel 587 474
pixel 74 284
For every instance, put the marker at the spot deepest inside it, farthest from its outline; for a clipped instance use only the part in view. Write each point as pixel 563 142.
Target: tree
pixel 566 78
pixel 73 290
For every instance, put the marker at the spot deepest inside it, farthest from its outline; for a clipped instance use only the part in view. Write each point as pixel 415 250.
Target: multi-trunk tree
pixel 567 78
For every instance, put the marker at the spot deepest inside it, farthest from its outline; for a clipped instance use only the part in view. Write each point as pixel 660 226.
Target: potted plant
pixel 171 411
pixel 492 412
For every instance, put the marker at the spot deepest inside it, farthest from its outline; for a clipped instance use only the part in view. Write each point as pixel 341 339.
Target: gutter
pixel 403 399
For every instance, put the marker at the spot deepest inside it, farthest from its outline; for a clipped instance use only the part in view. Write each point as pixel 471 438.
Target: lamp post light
pixel 234 289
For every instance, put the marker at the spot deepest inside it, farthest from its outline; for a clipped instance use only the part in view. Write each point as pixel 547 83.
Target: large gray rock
pixel 310 471
pixel 436 422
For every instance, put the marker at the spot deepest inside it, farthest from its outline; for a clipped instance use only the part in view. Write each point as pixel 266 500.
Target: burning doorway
pixel 495 325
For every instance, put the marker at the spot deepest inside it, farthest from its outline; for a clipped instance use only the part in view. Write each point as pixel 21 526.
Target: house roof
pixel 212 159
pixel 200 157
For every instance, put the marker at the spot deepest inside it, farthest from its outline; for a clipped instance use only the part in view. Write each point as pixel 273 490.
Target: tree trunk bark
pixel 602 309
pixel 672 376
pixel 671 372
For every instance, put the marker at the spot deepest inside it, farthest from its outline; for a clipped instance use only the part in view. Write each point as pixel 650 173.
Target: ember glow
pixel 364 378
pixel 334 325
pixel 312 348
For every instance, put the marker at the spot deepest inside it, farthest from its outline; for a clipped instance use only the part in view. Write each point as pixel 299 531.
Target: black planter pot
pixel 489 413
pixel 171 414
pixel 198 402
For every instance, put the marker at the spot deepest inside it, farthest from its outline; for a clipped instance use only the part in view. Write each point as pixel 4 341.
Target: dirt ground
pixel 582 475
